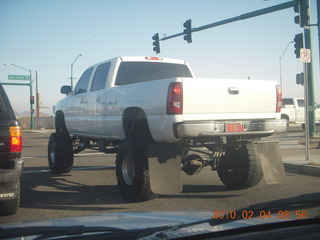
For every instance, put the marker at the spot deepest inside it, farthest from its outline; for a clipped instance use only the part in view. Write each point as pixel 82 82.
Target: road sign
pixel 18 77
pixel 305 55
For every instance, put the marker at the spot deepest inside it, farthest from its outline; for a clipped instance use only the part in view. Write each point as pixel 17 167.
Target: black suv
pixel 11 165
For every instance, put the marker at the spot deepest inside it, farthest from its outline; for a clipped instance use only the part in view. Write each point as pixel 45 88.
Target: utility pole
pixel 280 63
pixel 81 54
pixel 37 96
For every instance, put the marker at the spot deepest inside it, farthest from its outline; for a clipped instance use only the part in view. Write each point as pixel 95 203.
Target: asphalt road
pixel 91 188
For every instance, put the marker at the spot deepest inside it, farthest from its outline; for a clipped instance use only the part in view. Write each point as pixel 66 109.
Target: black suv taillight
pixel 15 139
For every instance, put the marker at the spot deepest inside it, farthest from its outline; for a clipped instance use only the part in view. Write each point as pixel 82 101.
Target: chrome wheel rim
pixel 128 169
pixel 52 152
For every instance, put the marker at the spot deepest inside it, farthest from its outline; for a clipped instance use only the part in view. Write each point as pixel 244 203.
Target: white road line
pixel 76 155
pixel 73 169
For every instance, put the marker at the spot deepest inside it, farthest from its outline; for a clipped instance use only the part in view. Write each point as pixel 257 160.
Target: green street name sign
pixel 18 77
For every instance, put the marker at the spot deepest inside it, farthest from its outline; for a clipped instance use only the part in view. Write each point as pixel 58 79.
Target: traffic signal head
pixel 31 99
pixel 298 44
pixel 302 7
pixel 300 79
pixel 187 31
pixel 156 44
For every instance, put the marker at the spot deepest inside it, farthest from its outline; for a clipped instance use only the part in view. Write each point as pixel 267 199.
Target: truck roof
pixel 143 59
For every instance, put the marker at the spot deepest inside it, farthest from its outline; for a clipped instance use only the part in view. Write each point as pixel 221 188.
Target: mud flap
pixel 271 161
pixel 165 168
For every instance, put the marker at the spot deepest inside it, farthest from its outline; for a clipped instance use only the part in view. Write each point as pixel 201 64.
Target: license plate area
pixel 234 127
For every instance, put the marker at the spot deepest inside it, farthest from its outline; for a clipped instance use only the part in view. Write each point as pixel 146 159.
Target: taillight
pixel 175 98
pixel 15 139
pixel 279 98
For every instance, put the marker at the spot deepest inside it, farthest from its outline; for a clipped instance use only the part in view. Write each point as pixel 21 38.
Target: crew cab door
pixel 95 108
pixel 74 110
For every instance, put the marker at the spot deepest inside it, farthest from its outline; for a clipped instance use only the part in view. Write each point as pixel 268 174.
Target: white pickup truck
pixel 293 110
pixel 155 114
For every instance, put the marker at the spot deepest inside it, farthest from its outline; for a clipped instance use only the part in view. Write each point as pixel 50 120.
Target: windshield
pixel 139 138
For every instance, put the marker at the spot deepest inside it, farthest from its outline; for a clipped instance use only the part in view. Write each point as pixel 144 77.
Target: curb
pixel 302 169
pixel 38 130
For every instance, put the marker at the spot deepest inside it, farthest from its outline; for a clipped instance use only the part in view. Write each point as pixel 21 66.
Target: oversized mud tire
pixel 9 207
pixel 132 170
pixel 60 152
pixel 240 167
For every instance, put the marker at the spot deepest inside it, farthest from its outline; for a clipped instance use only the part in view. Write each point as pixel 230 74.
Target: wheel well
pixel 285 116
pixel 135 123
pixel 60 124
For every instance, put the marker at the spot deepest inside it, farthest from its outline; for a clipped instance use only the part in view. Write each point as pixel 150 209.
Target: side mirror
pixel 66 90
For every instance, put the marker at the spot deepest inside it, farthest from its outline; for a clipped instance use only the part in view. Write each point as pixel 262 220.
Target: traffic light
pixel 298 44
pixel 302 7
pixel 156 44
pixel 187 31
pixel 300 78
pixel 31 99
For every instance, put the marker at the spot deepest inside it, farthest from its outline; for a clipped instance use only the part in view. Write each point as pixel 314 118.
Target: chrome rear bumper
pixel 258 128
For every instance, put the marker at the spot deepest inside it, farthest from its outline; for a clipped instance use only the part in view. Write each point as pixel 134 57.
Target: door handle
pixel 233 90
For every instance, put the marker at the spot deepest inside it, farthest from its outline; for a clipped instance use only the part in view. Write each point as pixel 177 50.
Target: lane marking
pixel 73 169
pixel 76 155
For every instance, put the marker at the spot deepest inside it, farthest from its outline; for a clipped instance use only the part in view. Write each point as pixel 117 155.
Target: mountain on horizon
pixel 27 114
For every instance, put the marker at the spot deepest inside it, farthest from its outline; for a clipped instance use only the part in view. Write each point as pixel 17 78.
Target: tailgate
pixel 218 99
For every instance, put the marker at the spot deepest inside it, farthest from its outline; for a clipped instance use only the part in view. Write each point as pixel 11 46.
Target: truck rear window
pixel 135 72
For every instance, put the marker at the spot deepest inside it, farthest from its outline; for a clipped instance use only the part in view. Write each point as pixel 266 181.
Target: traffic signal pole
pixel 238 18
pixel 309 96
pixel 307 120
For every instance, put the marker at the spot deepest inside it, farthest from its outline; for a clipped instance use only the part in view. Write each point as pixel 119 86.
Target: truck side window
pixel 82 84
pixel 100 77
pixel 287 101
pixel 300 102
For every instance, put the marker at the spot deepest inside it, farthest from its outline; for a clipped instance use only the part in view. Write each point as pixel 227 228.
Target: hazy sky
pixel 47 35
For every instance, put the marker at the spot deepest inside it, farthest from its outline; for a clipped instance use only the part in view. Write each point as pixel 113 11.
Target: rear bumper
pixel 257 128
pixel 10 180
pixel 12 174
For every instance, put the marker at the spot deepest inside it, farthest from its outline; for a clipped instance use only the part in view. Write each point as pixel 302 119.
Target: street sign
pixel 18 77
pixel 305 55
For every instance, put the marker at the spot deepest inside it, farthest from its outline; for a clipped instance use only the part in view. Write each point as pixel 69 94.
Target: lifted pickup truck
pixel 154 114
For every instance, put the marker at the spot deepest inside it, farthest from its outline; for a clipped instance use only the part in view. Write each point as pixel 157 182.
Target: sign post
pixel 305 57
pixel 24 78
